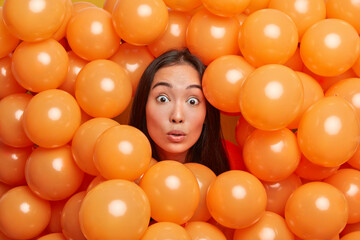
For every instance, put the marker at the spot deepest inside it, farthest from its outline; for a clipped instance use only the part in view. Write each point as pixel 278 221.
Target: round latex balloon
pixel 96 181
pixel 7 81
pixel 183 5
pixel 11 128
pixel 61 32
pixel 204 176
pixel 271 155
pixel 348 182
pixel 140 22
pixel 204 231
pixel 134 60
pixel 53 236
pixel 242 131
pixel 115 209
pixel 236 199
pixel 174 36
pixel 40 66
pixel 8 42
pixel 84 140
pixel 207 31
pixel 304 13
pixel 23 215
pixel 91 34
pixel 316 210
pixel 109 5
pixel 268 36
pixel 350 228
pixel 164 231
pixel 347 10
pixel 256 5
pixel 328 132
pixel 271 97
pixel 103 89
pixel 270 226
pixel 354 161
pixel 235 157
pixel 12 164
pixel 51 118
pixel 34 20
pixel 226 8
pixel 173 191
pixel 78 6
pixel 351 236
pixel 52 173
pixel 122 152
pixel 4 188
pixel 337 47
pixel 295 62
pixel 222 81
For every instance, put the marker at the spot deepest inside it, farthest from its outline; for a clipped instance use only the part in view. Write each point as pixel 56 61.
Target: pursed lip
pixel 176 133
pixel 176 136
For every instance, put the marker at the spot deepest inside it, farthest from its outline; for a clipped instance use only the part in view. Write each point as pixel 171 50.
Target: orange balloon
pixel 228 232
pixel 236 199
pixel 350 228
pixel 242 131
pixel 53 236
pixel 164 231
pixel 40 66
pixel 337 47
pixel 204 176
pixel 91 34
pixel 152 163
pixel 103 89
pixel 52 173
pixel 12 164
pixel 23 215
pixel 313 172
pixel 312 93
pixel 348 182
pixel 328 132
pixel 183 5
pixel 226 8
pixel 109 5
pixel 52 111
pixel 204 231
pixel 4 188
pixel 346 10
pixel 39 19
pixel 115 209
pixel 268 36
pixel 295 62
pixel 96 181
pixel 354 161
pixel 271 155
pixel 222 81
pixel 11 128
pixel 207 31
pixel 61 32
pixel 134 60
pixel 78 6
pixel 8 42
pixel 270 225
pixel 304 13
pixel 70 217
pixel 174 36
pixel 316 210
pixel 122 152
pixel 140 22
pixel 84 140
pixel 351 236
pixel 173 191
pixel 256 5
pixel 7 81
pixel 271 97
pixel 279 192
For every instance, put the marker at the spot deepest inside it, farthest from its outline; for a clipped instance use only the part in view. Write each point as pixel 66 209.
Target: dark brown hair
pixel 209 149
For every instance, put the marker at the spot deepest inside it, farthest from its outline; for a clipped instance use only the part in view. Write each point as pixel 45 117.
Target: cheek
pixel 197 119
pixel 154 120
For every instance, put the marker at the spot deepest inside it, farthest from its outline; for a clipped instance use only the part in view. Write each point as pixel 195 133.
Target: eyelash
pixel 167 99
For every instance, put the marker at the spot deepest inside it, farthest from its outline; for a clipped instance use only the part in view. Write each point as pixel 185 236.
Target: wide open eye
pixel 193 101
pixel 162 99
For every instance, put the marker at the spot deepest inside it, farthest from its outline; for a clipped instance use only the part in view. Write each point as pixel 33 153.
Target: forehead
pixel 179 74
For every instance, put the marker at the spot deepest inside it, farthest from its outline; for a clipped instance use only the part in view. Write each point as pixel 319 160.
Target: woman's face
pixel 175 111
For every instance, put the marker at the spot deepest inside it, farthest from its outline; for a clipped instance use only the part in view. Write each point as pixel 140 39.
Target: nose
pixel 177 114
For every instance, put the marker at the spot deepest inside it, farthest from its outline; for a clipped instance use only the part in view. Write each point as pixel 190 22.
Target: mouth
pixel 176 136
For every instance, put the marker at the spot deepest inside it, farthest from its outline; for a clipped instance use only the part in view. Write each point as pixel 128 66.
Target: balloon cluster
pixel 68 170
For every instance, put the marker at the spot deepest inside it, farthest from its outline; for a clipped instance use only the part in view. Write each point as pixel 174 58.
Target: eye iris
pixel 162 99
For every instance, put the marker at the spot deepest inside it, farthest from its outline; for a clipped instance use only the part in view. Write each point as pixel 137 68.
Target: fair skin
pixel 175 111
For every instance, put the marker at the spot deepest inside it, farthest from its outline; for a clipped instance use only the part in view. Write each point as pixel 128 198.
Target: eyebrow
pixel 170 86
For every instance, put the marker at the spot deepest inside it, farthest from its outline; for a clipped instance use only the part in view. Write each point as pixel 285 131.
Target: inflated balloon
pixel 53 236
pixel 268 36
pixel 222 81
pixel 7 81
pixel 11 128
pixel 354 161
pixel 152 163
pixel 337 47
pixel 295 62
pixel 347 10
pixel 52 111
pixel 91 34
pixel 4 188
pixel 183 5
pixel 84 140
pixel 235 157
pixel 12 164
pixel 122 152
pixel 316 210
pixel 8 41
pixel 203 230
pixel 140 22
pixel 351 236
pixel 39 20
pixel 78 6
pixel 303 12
pixel 52 173
pixel 208 31
pixel 134 60
pixel 96 181
pixel 23 215
pixel 328 132
pixel 173 191
pixel 70 217
pixel 271 97
pixel 226 8
pixel 236 199
pixel 242 131
pixel 228 232
pixel 256 5
pixel 115 209
pixel 350 228
pixel 270 226
pixel 109 5
pixel 40 66
pixel 164 231
pixel 61 32
pixel 174 36
pixel 103 89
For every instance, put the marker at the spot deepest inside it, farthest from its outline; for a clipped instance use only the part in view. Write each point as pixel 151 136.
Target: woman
pixel 170 109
